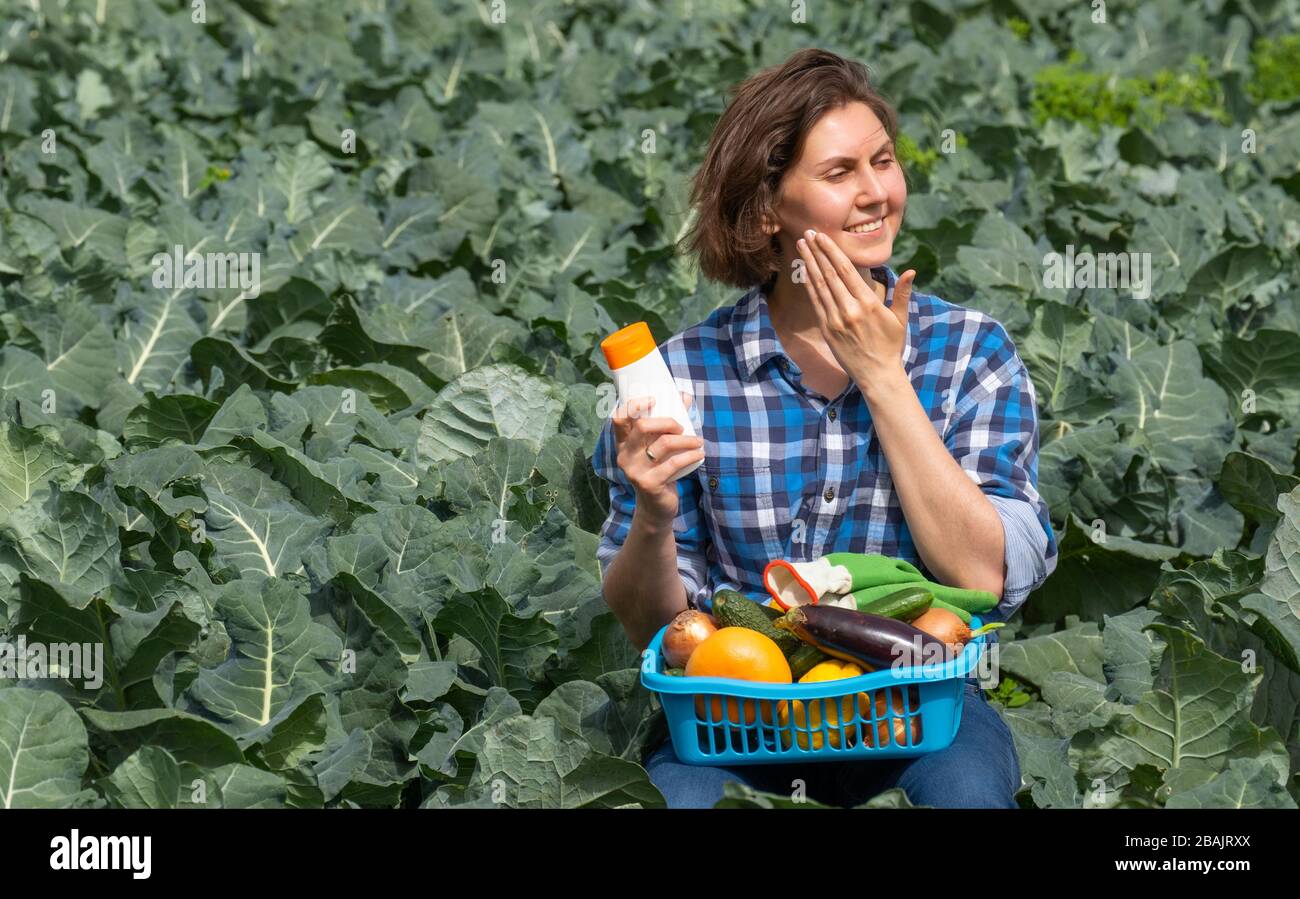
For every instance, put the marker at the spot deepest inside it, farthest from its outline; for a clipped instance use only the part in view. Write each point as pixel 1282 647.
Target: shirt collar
pixel 756 341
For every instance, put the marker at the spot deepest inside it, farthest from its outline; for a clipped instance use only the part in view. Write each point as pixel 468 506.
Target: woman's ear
pixel 771 228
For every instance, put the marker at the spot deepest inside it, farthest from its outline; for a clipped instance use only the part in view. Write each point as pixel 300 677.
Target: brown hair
pixel 758 138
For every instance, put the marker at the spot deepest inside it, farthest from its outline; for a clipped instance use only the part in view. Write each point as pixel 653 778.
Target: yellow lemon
pixel 837 710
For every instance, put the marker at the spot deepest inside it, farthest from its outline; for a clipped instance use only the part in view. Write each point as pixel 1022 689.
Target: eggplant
pixel 862 637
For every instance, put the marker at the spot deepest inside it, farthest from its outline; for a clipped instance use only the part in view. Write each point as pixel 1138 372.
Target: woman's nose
pixel 871 191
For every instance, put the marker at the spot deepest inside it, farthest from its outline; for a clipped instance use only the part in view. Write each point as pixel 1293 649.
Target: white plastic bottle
pixel 639 370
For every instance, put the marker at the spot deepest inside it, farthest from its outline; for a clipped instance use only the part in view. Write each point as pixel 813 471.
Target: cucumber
pixel 733 609
pixel 906 604
pixel 675 672
pixel 805 659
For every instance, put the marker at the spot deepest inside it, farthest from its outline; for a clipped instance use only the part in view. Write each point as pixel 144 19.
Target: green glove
pixel 855 579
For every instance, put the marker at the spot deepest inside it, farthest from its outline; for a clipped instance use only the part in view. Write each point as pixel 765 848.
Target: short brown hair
pixel 758 138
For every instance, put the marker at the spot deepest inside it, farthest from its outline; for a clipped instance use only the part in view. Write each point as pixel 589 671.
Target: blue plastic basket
pixel 889 713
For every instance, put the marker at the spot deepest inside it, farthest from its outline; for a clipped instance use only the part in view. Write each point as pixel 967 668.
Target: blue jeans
pixel 978 770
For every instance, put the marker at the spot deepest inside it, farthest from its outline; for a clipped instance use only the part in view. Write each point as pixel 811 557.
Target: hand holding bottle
pixel 654 473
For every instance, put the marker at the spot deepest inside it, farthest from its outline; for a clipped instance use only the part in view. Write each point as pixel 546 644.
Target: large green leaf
pixel 1160 391
pixel 1278 599
pixel 98 232
pixel 1001 255
pixel 512 649
pixel 155 339
pixel 1253 486
pixel 280 656
pixel 1076 649
pixel 78 349
pixel 494 400
pixel 28 460
pixel 66 539
pixel 149 778
pixel 1261 374
pixel 43 751
pixel 255 523
pixel 186 737
pixel 298 176
pixel 1196 715
pixel 1247 783
pixel 1091 555
pixel 527 762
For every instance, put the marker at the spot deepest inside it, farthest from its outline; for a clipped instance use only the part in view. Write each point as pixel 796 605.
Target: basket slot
pixel 820 724
pixel 893 718
pixel 727 731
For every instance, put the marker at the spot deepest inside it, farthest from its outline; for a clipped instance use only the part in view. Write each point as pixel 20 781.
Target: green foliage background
pixel 339 538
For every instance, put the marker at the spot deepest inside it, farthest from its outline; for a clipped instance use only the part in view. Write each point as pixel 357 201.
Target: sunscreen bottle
pixel 640 370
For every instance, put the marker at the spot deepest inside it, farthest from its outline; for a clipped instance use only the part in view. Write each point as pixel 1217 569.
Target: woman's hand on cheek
pixel 864 334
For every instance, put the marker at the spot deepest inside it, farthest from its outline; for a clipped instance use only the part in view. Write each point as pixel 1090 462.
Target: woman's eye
pixel 838 175
pixel 884 160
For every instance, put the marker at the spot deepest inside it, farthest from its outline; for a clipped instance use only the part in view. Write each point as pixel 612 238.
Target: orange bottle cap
pixel 627 345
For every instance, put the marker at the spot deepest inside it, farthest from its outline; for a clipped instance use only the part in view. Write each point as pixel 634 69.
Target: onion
pixel 944 625
pixel 896 722
pixel 687 631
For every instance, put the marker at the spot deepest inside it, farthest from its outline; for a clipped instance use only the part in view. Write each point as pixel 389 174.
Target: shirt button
pixel 713 483
pixel 832 415
pixel 829 494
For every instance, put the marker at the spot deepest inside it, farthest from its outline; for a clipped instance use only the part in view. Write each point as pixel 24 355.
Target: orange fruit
pixel 743 654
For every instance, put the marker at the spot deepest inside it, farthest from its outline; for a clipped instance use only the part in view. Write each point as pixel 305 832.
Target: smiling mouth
pixel 867 227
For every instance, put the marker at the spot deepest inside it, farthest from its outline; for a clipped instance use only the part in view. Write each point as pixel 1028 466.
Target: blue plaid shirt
pixel 792 475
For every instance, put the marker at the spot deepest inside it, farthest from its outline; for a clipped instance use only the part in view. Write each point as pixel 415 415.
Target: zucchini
pixel 858 637
pixel 733 609
pixel 906 604
pixel 805 659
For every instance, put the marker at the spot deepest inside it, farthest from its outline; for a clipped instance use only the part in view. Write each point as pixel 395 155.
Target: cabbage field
pixel 325 505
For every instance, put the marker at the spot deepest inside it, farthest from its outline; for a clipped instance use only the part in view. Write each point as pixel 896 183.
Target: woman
pixel 839 411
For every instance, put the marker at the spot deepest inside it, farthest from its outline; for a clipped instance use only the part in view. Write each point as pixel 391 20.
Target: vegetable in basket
pixel 885 723
pixel 837 710
pixel 687 631
pixel 951 629
pixel 741 653
pixel 905 604
pixel 734 609
pixel 861 637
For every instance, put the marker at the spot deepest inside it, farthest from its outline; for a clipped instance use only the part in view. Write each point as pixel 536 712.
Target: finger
pixel 666 444
pixel 656 425
pixel 621 424
pixel 847 301
pixel 814 296
pixel 668 468
pixel 848 273
pixel 903 295
pixel 827 283
pixel 634 407
pixel 829 306
pixel 626 413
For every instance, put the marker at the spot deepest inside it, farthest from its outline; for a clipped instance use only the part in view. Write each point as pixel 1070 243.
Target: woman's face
pixel 847 176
